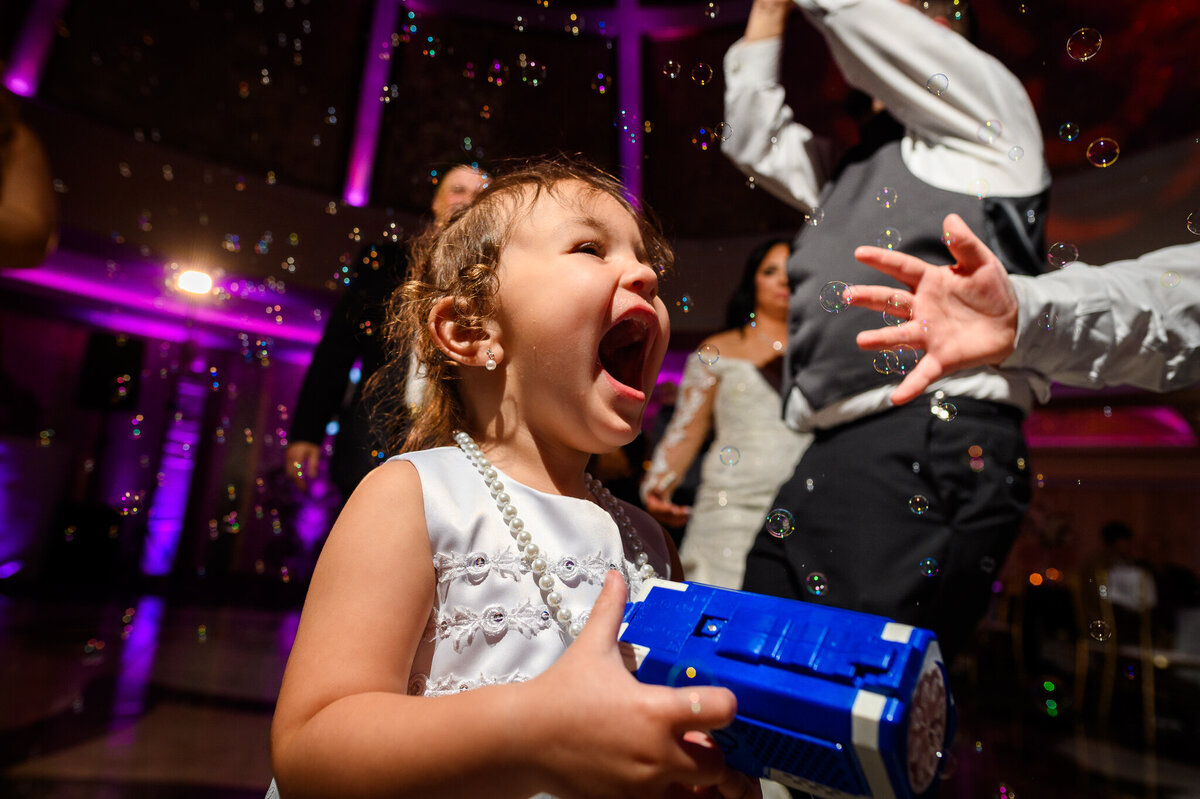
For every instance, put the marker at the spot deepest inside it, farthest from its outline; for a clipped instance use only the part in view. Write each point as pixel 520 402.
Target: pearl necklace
pixel 531 553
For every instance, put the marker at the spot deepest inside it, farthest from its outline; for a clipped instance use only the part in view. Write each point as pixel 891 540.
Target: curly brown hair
pixel 460 260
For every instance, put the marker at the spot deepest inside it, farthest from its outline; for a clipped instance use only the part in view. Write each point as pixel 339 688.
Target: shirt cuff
pixel 753 62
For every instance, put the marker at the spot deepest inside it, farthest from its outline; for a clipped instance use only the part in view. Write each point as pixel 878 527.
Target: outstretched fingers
pixel 905 268
pixel 927 370
pixel 968 250
pixel 874 298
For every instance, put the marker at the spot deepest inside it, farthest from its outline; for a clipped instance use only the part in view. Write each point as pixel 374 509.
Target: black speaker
pixel 112 372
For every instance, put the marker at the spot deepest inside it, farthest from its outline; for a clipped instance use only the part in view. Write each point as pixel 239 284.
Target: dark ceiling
pixel 272 86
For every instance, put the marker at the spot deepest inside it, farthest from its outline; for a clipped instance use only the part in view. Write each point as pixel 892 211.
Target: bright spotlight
pixel 194 282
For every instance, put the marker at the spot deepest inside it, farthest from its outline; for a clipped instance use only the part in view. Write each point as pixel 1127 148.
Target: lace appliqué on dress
pixel 421 685
pixel 697 381
pixel 493 622
pixel 476 566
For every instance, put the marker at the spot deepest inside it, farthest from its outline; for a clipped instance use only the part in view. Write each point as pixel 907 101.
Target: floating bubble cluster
pixel 1084 43
pixel 989 131
pixel 889 238
pixel 1100 630
pixel 781 523
pixel 833 297
pixel 1068 131
pixel 1062 253
pixel 886 362
pixel 897 310
pixel 708 354
pixel 816 584
pixel 1103 152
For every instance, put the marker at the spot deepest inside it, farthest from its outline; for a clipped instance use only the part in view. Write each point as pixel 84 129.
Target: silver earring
pixel 490 364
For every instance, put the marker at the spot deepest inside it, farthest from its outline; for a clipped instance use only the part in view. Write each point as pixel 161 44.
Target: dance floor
pixel 115 695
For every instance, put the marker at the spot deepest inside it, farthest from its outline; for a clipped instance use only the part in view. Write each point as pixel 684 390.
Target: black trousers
pixel 904 515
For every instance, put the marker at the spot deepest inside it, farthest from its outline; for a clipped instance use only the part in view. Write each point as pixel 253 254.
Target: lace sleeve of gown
pixel 685 432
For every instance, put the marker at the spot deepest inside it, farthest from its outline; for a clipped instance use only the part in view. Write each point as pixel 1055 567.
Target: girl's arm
pixel 344 725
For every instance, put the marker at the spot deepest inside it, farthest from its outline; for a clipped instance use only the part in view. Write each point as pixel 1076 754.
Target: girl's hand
pixel 601 733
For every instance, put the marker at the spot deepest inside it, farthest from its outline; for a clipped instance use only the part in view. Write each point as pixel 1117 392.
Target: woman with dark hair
pixel 730 387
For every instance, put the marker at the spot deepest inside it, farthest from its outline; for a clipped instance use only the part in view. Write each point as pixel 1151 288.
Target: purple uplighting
pixel 370 110
pixel 165 525
pixel 32 48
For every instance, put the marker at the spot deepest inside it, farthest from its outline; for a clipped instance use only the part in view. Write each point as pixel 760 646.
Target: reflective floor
pixel 139 695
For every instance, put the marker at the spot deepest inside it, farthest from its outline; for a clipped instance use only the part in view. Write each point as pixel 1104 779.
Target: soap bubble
pixel 1049 320
pixel 816 584
pixel 918 504
pixel 889 238
pixel 1062 253
pixel 833 296
pixel 1084 43
pixel 601 82
pixel 702 139
pixel 929 567
pixel 814 216
pixel 989 131
pixel 886 362
pixel 672 69
pixel 906 358
pixel 897 310
pixel 702 73
pixel 781 523
pixel 1193 222
pixel 1068 131
pixel 711 10
pixel 1103 152
pixel 946 411
pixel 937 84
pixel 1170 279
pixel 979 188
pixel 887 197
pixel 684 303
pixel 1016 153
pixel 722 131
pixel 1100 630
pixel 708 354
pixel 730 456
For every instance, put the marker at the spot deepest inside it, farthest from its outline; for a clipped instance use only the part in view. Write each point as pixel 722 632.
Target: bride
pixel 730 386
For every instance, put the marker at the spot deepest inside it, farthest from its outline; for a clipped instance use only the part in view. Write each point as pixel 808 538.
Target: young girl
pixel 434 656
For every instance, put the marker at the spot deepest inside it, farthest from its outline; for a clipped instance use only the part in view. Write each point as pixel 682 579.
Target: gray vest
pixel 822 358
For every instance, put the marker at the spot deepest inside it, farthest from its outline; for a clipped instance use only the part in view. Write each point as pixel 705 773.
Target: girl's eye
pixel 588 247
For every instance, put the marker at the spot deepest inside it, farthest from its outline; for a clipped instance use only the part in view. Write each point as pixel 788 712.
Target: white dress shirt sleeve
pixel 1133 322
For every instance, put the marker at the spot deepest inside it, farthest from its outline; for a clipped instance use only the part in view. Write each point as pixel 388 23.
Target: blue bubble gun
pixel 834 702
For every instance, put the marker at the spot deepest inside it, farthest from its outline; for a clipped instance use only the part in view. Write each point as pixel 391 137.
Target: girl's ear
pixel 466 346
